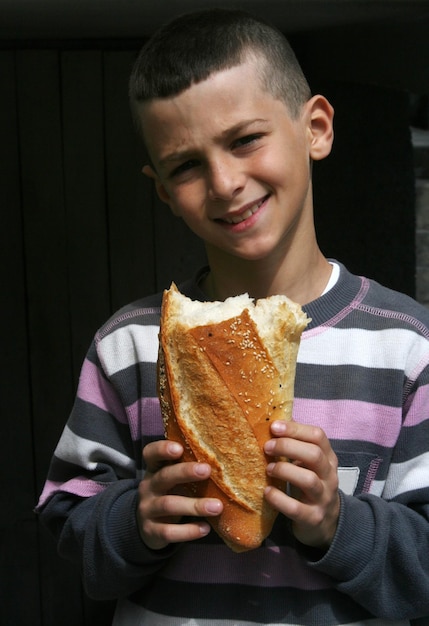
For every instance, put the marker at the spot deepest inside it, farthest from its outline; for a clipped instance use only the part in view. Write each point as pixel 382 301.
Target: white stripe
pixel 348 479
pixel 376 488
pixel 368 348
pixel 86 453
pixel 407 476
pixel 127 346
pixel 129 614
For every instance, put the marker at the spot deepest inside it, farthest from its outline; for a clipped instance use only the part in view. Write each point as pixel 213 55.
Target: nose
pixel 226 179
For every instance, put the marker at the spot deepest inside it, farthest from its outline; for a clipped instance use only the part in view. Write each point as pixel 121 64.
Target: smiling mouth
pixel 236 219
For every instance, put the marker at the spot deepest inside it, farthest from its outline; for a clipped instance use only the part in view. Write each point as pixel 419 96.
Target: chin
pixel 253 252
pixel 253 256
pixel 257 252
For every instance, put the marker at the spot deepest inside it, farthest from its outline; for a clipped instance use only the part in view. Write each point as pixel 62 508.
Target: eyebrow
pixel 182 155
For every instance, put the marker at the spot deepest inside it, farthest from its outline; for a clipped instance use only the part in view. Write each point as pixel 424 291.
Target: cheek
pixel 187 204
pixel 292 166
pixel 278 164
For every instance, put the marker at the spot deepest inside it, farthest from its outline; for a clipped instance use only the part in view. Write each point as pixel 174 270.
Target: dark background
pixel 83 233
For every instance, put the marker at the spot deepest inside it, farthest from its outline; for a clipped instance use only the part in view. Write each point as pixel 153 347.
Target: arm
pixel 378 553
pixel 123 535
pixel 100 534
pixel 386 539
pixel 116 527
pixel 379 556
pixel 90 496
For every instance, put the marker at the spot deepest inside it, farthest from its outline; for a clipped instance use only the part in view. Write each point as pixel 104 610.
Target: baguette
pixel 225 371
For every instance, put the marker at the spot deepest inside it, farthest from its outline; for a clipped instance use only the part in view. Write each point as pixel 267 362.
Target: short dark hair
pixel 190 48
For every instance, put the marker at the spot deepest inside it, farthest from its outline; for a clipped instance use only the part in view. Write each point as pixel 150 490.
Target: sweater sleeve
pixel 379 555
pixel 100 534
pixel 90 496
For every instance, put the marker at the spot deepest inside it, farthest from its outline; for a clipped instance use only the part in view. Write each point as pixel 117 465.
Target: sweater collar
pixel 337 301
pixel 322 311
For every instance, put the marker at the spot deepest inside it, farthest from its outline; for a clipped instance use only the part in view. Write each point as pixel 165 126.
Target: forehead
pixel 207 110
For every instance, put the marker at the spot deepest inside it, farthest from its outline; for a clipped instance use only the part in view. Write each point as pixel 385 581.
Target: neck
pixel 302 279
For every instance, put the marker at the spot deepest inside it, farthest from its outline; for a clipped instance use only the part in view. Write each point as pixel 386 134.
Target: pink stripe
pixel 93 388
pixel 79 486
pixel 418 412
pixel 147 412
pixel 265 567
pixel 351 419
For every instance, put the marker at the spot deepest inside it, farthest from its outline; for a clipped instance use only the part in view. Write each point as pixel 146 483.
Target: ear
pixel 160 188
pixel 320 126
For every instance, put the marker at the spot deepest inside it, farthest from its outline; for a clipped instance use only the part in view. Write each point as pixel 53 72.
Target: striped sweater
pixel 363 376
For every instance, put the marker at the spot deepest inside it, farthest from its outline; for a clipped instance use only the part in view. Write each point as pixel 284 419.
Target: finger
pixel 306 481
pixel 165 479
pixel 170 506
pixel 301 432
pixel 295 509
pixel 158 515
pixel 190 531
pixel 158 453
pixel 311 448
pixel 282 502
pixel 296 450
pixel 162 534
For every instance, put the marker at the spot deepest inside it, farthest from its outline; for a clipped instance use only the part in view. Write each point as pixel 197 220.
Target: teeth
pixel 240 218
pixel 236 219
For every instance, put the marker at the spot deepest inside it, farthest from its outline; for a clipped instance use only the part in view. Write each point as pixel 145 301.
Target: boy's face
pixel 228 158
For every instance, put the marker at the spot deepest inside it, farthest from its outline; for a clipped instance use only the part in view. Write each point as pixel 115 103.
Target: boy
pixel 231 130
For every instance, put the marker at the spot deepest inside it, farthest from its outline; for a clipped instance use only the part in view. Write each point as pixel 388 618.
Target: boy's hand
pixel 159 509
pixel 313 503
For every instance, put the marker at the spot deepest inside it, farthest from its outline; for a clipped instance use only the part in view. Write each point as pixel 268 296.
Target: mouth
pixel 243 215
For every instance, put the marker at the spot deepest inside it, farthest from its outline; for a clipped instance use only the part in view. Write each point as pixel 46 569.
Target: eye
pixel 247 140
pixel 183 168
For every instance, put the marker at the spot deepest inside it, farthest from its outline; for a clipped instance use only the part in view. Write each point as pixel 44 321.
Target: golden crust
pixel 219 388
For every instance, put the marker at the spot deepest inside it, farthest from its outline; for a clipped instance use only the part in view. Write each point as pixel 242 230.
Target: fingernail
pixel 279 427
pixel 213 506
pixel 269 446
pixel 202 469
pixel 270 468
pixel 204 528
pixel 174 448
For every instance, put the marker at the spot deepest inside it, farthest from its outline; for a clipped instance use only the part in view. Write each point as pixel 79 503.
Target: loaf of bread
pixel 226 370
